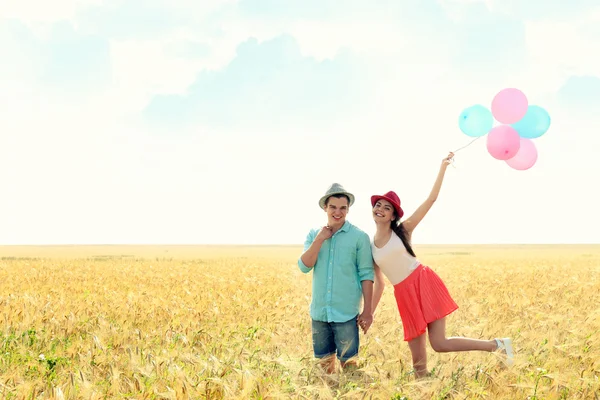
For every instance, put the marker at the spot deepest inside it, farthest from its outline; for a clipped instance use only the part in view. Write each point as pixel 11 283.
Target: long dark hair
pixel 399 230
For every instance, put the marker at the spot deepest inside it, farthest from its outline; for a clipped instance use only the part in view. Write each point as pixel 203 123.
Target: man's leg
pixel 347 342
pixel 324 345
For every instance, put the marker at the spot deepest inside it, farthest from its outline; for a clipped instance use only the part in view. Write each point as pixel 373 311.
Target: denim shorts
pixel 340 338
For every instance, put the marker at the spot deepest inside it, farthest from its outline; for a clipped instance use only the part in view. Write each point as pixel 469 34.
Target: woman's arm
pixel 411 222
pixel 377 287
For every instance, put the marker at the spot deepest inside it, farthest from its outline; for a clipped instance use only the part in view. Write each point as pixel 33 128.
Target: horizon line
pixel 285 244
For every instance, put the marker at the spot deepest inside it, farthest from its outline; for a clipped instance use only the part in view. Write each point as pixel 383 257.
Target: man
pixel 339 254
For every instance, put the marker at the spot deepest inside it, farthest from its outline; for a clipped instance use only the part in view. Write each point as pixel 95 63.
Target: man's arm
pixel 366 274
pixel 367 314
pixel 312 246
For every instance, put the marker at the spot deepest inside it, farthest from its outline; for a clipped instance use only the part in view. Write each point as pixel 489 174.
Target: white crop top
pixel 394 260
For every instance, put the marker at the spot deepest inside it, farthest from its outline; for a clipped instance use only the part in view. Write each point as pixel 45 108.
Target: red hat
pixel 393 198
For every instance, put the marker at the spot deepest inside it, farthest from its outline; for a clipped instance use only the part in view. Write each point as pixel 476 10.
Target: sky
pixel 224 121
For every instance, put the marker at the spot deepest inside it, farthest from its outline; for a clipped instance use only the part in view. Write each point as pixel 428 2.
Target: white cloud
pixel 81 172
pixel 33 12
pixel 564 45
pixel 457 10
pixel 324 38
pixel 542 9
pixel 142 69
pixel 559 49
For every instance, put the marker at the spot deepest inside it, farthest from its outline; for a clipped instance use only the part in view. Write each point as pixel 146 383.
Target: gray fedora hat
pixel 335 188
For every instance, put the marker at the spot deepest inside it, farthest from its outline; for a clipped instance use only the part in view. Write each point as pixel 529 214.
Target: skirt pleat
pixel 422 298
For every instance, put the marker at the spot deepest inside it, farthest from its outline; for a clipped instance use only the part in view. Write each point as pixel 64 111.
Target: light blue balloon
pixel 476 121
pixel 534 124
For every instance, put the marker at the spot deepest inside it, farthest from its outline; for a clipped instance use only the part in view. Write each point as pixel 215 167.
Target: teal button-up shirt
pixel 344 261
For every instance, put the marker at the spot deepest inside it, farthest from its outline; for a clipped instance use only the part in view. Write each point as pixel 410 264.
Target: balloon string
pixel 467 145
pixel 478 137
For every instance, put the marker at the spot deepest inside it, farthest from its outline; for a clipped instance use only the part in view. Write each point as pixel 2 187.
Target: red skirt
pixel 422 298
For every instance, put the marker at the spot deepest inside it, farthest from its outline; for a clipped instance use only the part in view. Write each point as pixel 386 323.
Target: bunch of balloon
pixel 519 123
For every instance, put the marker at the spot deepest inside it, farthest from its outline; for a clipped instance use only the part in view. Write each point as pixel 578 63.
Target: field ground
pixel 229 322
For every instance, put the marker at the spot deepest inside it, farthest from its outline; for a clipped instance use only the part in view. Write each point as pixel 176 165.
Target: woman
pixel 422 298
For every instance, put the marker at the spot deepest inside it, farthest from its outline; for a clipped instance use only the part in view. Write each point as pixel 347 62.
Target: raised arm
pixel 411 222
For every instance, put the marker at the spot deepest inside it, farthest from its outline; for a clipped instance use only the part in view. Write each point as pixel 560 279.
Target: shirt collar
pixel 345 227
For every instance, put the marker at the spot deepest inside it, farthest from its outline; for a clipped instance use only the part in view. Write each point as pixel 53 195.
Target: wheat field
pixel 179 322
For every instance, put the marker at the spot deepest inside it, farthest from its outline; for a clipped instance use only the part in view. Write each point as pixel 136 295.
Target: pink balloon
pixel 503 142
pixel 525 157
pixel 509 106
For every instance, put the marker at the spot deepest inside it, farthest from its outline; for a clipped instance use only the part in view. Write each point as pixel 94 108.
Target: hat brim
pixel 323 199
pixel 399 210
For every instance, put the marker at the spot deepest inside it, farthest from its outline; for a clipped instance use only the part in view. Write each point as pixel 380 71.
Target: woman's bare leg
pixel 418 350
pixel 442 344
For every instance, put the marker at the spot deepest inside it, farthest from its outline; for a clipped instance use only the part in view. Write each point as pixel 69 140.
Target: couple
pixel 346 266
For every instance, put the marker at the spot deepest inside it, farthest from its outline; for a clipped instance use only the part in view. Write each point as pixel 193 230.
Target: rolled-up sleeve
pixel 364 259
pixel 309 239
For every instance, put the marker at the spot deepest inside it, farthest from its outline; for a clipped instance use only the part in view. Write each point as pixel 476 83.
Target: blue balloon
pixel 534 124
pixel 476 121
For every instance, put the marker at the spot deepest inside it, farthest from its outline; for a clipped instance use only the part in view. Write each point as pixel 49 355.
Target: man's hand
pixel 325 233
pixel 365 319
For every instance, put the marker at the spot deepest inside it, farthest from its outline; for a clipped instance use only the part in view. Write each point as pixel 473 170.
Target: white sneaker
pixel 505 345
